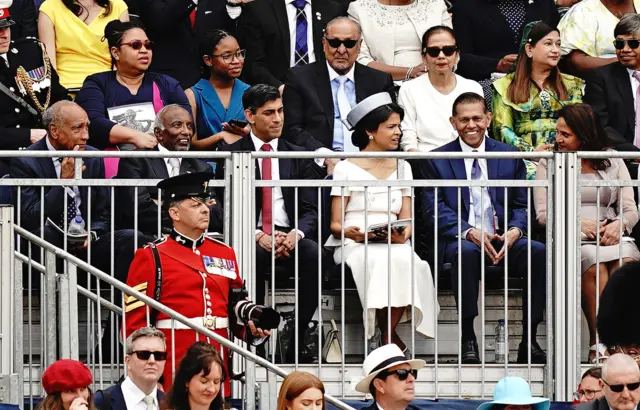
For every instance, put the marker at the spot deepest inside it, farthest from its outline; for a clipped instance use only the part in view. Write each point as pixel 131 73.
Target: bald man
pixel 620 383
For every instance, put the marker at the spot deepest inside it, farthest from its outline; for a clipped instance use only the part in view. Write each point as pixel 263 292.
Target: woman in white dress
pixel 427 101
pixel 392 32
pixel 377 128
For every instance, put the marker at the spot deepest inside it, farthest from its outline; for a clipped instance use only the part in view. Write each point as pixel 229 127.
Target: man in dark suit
pixel 483 213
pixel 21 124
pixel 612 90
pixel 276 223
pixel 146 356
pixel 173 130
pixel 67 129
pixel 175 50
pixel 269 28
pixel 620 383
pixel 314 93
pixel 217 14
pixel 24 14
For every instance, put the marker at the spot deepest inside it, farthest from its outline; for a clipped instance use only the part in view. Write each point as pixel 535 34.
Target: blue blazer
pixel 117 398
pixel 498 169
pixel 33 168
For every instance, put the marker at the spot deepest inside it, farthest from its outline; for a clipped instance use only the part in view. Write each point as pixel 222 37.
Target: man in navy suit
pixel 277 224
pixel 67 125
pixel 482 220
pixel 145 360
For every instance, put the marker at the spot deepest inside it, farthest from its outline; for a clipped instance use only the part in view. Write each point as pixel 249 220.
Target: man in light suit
pixel 146 356
pixel 620 383
pixel 479 223
pixel 173 130
pixel 314 94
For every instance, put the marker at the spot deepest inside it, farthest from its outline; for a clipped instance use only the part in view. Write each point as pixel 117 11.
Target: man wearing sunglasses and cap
pixel 28 85
pixel 190 273
pixel 318 96
pixel 620 383
pixel 390 378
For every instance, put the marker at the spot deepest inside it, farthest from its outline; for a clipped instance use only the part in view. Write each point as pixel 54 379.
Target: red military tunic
pixel 196 279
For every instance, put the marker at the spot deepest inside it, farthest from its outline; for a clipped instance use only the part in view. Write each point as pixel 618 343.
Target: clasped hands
pixel 509 238
pixel 355 234
pixel 609 231
pixel 283 242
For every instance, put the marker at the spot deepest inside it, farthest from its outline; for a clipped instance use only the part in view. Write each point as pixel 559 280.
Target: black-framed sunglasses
pixel 633 43
pixel 335 42
pixel 435 51
pixel 228 57
pixel 146 355
pixel 403 374
pixel 137 44
pixel 618 388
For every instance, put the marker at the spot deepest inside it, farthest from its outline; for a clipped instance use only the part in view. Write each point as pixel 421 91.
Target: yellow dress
pixel 79 49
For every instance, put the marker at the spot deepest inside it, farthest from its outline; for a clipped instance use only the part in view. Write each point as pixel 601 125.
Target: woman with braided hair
pixel 216 101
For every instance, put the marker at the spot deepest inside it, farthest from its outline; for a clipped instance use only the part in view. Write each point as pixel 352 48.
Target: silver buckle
pixel 210 323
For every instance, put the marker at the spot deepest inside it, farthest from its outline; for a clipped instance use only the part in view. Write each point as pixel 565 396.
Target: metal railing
pixel 558 378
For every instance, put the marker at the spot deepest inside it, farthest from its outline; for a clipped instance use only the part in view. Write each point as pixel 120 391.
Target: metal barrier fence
pixel 445 375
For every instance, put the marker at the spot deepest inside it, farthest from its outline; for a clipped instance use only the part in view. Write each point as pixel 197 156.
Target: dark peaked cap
pixel 618 303
pixel 193 185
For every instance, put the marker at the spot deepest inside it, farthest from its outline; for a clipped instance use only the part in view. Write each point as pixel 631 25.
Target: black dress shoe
pixel 470 352
pixel 538 356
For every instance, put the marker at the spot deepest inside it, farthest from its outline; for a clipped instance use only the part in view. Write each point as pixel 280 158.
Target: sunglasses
pixel 632 43
pixel 403 374
pixel 137 44
pixel 618 388
pixel 335 42
pixel 435 51
pixel 146 355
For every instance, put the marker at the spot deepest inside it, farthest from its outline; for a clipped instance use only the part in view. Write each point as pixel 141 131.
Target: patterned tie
pixel 148 401
pixel 175 166
pixel 72 212
pixel 636 140
pixel 302 52
pixel 267 192
pixel 485 214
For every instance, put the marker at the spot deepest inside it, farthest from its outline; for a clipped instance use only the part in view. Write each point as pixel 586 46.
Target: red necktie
pixel 267 193
pixel 192 18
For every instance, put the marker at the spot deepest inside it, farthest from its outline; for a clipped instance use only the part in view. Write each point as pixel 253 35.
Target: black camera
pixel 263 317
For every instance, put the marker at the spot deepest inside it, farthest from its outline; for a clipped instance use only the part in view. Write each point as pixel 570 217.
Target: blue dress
pixel 211 113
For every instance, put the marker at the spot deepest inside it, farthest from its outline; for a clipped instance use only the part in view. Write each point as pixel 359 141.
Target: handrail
pixel 82 290
pixel 151 303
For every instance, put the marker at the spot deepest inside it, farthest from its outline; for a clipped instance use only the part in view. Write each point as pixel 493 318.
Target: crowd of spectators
pixel 325 75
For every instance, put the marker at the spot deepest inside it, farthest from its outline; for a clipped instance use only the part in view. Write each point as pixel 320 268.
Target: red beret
pixel 66 374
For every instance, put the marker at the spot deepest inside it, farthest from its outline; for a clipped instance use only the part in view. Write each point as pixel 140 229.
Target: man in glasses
pixel 589 388
pixel 620 383
pixel 612 90
pixel 146 356
pixel 390 378
pixel 318 96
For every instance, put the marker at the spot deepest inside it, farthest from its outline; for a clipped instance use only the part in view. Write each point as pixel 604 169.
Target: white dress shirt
pixel 278 213
pixel 291 17
pixel 166 160
pixel 134 397
pixel 634 85
pixel 57 164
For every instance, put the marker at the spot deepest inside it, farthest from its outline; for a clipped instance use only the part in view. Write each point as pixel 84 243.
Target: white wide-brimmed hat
pixel 381 359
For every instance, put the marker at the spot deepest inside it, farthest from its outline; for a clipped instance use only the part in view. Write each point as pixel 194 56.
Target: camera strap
pixel 153 315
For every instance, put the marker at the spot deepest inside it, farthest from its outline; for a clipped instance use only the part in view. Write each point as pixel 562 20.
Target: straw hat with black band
pixel 381 359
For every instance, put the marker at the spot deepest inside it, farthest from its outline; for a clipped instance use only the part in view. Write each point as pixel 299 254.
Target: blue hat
pixel 516 391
